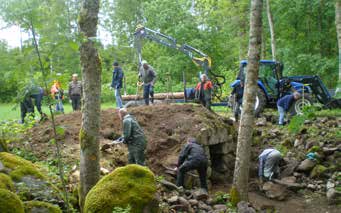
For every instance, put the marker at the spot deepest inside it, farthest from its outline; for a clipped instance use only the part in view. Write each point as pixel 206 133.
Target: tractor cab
pixel 269 77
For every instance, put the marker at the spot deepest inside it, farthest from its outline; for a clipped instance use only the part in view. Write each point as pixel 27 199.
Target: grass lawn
pixel 9 112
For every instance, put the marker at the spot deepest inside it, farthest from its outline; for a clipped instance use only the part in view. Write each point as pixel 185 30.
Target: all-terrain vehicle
pixel 272 86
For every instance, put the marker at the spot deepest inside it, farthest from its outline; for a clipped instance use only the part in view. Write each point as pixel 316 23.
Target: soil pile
pixel 166 127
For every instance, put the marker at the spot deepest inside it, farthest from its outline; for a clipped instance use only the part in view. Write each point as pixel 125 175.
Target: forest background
pixel 305 36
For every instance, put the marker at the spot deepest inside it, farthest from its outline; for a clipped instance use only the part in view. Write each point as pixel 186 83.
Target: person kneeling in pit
pixel 192 156
pixel 134 137
pixel 268 167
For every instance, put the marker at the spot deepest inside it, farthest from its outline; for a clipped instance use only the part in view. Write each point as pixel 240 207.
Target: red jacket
pixel 207 85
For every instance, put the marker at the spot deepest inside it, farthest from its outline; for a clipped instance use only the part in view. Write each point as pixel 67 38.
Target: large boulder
pixel 10 202
pixel 29 182
pixel 40 207
pixel 306 165
pixel 132 185
pixel 275 191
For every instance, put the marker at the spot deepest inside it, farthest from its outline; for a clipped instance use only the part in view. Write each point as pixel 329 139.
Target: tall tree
pixel 338 29
pixel 91 73
pixel 272 29
pixel 241 171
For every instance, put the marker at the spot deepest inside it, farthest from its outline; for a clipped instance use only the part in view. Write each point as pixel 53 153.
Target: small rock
pixel 330 185
pixel 289 169
pixel 306 165
pixel 333 196
pixel 311 186
pixel 220 207
pixel 168 185
pixel 244 207
pixel 275 191
pixel 204 206
pixel 104 171
pixel 200 194
pixel 2 167
pixel 193 202
pixel 298 142
pixel 173 199
pixel 184 202
pixel 328 151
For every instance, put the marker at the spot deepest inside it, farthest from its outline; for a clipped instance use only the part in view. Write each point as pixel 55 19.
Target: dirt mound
pixel 166 128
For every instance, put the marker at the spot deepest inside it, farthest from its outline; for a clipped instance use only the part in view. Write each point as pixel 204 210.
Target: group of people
pixel 147 75
pixel 192 155
pixel 37 93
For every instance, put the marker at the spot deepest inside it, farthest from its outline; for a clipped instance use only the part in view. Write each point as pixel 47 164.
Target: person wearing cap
pixel 148 76
pixel 203 91
pixel 75 92
pixel 268 164
pixel 192 157
pixel 116 84
pixel 134 137
pixel 284 104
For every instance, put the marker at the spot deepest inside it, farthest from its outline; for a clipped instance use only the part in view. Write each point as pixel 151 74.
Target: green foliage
pixel 12 131
pixel 296 124
pixel 221 197
pixel 6 182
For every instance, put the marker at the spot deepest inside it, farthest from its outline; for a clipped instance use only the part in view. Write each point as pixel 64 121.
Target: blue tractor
pixel 272 86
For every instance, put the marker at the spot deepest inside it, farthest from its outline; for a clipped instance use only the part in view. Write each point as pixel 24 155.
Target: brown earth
pixel 166 128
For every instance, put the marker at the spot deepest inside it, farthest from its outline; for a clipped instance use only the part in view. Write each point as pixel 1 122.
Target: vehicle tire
pixel 297 107
pixel 260 102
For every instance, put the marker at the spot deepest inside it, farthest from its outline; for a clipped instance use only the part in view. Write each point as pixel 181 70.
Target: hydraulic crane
pixel 197 56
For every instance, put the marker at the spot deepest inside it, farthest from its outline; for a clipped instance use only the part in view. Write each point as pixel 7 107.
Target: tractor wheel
pixel 260 102
pixel 297 107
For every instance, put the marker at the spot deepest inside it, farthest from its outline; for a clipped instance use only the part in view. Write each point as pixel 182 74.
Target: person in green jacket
pixel 134 137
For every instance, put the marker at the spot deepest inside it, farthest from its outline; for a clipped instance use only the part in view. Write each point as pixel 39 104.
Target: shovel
pixel 108 145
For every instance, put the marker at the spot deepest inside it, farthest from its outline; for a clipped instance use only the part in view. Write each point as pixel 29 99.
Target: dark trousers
pixel 26 107
pixel 148 90
pixel 76 102
pixel 201 167
pixel 136 155
pixel 206 103
pixel 37 101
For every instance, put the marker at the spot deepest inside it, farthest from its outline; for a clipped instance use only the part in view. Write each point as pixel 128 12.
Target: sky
pixel 11 34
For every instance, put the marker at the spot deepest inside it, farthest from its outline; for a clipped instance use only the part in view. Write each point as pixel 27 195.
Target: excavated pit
pixel 166 127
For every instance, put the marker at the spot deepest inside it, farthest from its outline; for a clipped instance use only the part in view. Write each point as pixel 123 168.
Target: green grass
pixel 9 112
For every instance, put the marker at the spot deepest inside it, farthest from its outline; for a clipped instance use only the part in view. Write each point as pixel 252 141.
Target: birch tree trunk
pixel 338 30
pixel 272 29
pixel 91 74
pixel 241 171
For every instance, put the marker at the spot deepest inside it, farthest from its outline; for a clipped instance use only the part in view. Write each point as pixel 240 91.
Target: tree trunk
pixel 338 29
pixel 272 30
pixel 91 74
pixel 241 171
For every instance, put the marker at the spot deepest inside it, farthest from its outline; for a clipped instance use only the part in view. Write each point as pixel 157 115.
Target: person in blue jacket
pixel 116 84
pixel 284 104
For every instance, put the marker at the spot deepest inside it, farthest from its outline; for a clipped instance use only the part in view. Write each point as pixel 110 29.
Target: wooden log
pixel 157 96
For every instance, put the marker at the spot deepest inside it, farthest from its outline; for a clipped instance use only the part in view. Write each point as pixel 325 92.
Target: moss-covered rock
pixel 10 202
pixel 19 167
pixel 6 182
pixel 40 207
pixel 132 185
pixel 318 171
pixel 3 146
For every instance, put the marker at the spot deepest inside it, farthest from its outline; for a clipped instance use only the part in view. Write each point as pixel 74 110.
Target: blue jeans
pixel 59 105
pixel 118 98
pixel 281 112
pixel 148 90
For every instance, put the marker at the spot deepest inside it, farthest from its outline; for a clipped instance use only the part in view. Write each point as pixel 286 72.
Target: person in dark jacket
pixel 268 167
pixel 192 156
pixel 117 78
pixel 148 76
pixel 203 91
pixel 75 92
pixel 284 104
pixel 238 92
pixel 134 137
pixel 26 107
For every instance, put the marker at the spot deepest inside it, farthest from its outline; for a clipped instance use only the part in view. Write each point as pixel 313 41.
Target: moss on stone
pixel 10 203
pixel 314 149
pixel 234 196
pixel 6 182
pixel 132 185
pixel 317 171
pixel 19 167
pixel 38 206
pixel 3 146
